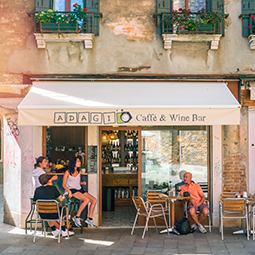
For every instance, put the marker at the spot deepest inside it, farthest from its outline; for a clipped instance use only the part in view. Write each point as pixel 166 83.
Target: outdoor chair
pixel 198 213
pixel 50 206
pixel 149 212
pixel 30 219
pixel 233 208
pixel 253 220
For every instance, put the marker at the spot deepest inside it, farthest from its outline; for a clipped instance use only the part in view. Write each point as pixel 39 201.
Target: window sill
pixel 251 39
pixel 42 39
pixel 214 39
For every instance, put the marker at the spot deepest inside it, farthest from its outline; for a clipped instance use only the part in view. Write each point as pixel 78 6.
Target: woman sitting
pixel 72 184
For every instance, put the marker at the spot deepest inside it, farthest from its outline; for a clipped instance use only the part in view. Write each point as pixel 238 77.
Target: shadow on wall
pixel 1 172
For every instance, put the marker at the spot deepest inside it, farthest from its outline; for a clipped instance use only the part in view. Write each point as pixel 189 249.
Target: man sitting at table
pixel 196 202
pixel 47 191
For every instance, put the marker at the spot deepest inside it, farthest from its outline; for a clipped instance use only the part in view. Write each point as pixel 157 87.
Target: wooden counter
pixel 121 180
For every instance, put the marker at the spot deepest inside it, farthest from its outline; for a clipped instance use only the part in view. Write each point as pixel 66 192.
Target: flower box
pixel 205 28
pixel 59 27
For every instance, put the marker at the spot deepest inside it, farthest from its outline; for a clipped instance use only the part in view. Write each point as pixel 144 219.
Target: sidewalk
pixel 120 242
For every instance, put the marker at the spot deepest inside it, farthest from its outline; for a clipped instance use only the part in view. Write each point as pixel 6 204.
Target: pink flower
pixel 85 9
pixel 74 5
pixel 250 26
pixel 213 19
pixel 252 16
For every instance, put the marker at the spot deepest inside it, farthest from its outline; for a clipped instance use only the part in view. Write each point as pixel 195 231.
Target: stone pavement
pixel 119 241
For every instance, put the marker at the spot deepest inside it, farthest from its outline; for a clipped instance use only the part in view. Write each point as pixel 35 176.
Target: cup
pixel 245 194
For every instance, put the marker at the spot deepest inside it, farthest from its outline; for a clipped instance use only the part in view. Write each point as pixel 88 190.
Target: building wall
pixel 127 40
pixel 127 44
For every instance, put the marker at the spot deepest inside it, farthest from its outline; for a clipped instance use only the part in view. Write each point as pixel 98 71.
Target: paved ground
pixel 120 242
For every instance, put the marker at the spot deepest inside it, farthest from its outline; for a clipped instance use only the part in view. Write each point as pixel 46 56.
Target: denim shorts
pixel 77 190
pixel 200 208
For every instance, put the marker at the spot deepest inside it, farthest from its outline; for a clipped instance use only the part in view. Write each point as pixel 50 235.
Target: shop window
pixel 248 12
pixel 167 152
pixel 90 22
pixel 63 143
pixel 165 7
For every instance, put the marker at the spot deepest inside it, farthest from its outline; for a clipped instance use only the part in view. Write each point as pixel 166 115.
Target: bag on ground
pixel 183 226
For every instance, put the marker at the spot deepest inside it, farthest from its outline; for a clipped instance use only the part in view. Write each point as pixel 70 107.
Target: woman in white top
pixel 72 184
pixel 41 164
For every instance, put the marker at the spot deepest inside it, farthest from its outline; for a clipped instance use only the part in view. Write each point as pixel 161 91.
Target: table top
pixel 177 198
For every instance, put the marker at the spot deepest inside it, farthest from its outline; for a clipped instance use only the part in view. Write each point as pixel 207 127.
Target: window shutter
pixel 248 6
pixel 163 6
pixel 217 6
pixel 93 6
pixel 43 5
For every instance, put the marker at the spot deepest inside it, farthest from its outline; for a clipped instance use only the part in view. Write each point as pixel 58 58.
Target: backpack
pixel 183 226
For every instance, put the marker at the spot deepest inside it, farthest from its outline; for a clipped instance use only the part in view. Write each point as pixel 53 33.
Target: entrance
pixel 120 166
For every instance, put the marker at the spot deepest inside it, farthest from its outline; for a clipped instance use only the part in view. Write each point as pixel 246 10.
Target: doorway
pixel 119 174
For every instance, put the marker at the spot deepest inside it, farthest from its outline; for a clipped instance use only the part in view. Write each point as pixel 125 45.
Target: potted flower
pixel 185 20
pixel 52 21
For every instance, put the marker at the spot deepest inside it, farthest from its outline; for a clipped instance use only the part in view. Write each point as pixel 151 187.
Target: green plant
pixel 190 20
pixel 57 17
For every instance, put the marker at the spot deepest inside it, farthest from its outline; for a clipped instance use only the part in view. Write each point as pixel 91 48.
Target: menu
pixel 92 159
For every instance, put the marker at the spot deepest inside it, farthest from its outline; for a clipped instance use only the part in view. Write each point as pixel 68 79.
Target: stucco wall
pixel 128 39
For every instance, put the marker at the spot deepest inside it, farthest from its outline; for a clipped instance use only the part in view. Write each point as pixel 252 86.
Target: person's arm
pixel 53 178
pixel 66 175
pixel 82 183
pixel 201 194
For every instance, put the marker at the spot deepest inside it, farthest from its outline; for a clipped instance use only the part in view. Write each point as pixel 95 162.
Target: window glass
pixel 167 151
pixel 193 5
pixel 59 5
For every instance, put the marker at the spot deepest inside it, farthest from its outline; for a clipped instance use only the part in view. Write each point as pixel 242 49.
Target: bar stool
pixel 73 206
pixel 29 219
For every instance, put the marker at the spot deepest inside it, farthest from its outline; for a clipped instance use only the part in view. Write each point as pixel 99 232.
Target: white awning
pixel 128 103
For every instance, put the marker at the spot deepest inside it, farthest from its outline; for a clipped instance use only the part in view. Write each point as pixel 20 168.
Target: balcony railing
pixel 87 25
pixel 164 25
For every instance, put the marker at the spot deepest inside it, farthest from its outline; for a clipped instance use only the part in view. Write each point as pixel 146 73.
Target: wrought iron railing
pixel 165 26
pixel 87 25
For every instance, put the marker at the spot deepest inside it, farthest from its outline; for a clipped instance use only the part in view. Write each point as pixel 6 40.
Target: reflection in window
pixel 167 151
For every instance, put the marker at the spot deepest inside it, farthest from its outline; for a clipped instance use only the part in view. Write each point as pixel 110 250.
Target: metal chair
pixel 233 208
pixel 52 207
pixel 149 212
pixel 198 213
pixel 29 219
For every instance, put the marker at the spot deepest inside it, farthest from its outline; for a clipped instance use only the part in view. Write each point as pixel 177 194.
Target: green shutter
pixel 43 5
pixel 93 6
pixel 217 6
pixel 163 6
pixel 248 7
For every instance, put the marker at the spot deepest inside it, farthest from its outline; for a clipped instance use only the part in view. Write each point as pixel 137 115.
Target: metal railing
pixel 87 25
pixel 164 25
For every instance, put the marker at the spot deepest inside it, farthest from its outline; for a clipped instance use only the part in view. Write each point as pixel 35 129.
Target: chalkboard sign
pixel 92 159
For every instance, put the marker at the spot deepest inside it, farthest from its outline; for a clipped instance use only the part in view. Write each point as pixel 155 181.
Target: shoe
pixel 65 234
pixel 77 221
pixel 194 226
pixel 91 223
pixel 202 229
pixel 55 233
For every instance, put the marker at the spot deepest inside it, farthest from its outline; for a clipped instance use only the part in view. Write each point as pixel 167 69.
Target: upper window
pixel 248 13
pixel 91 20
pixel 166 9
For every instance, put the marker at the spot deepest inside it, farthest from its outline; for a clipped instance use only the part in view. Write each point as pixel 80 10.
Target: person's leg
pixel 93 202
pixel 84 203
pixel 204 212
pixel 192 212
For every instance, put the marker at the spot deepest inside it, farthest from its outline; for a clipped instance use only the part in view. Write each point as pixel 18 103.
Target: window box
pixel 58 27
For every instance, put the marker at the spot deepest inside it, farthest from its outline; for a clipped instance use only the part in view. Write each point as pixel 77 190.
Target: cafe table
pixel 171 212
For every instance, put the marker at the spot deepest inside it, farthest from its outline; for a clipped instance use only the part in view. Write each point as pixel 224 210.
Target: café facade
pixel 133 136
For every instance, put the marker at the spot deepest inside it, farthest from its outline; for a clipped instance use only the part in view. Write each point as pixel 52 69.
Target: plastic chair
pixel 149 212
pixel 52 207
pixel 233 208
